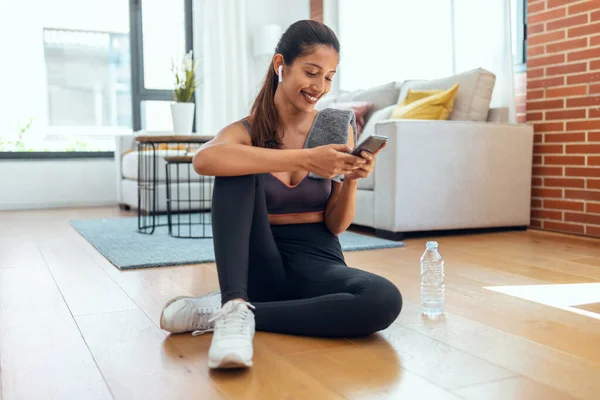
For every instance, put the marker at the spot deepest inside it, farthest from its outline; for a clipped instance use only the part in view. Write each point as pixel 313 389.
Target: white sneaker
pixel 231 345
pixel 185 314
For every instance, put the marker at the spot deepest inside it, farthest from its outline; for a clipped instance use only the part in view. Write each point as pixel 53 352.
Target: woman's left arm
pixel 341 206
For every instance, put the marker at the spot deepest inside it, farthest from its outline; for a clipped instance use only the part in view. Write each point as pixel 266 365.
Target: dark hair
pixel 296 41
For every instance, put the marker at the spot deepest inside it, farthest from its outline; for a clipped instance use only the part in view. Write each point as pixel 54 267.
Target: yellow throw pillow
pixel 414 95
pixel 437 106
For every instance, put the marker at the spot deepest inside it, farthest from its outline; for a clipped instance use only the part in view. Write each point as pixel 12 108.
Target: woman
pixel 279 261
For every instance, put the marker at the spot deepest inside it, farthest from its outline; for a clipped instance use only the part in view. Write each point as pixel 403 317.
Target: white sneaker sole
pixel 231 360
pixel 163 323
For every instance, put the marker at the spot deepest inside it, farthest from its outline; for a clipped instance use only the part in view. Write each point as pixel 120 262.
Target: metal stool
pixel 151 151
pixel 188 217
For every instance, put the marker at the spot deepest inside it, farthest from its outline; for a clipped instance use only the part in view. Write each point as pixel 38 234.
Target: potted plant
pixel 182 109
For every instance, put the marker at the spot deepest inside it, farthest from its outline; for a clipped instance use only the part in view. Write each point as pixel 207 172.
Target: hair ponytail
pixel 264 118
pixel 296 41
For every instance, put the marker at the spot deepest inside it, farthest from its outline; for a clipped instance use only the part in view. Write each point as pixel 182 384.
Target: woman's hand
pixel 332 160
pixel 365 168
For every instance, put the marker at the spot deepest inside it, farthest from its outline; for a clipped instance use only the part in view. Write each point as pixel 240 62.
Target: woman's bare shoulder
pixel 235 132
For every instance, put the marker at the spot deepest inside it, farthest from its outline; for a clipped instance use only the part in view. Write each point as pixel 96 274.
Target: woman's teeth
pixel 311 98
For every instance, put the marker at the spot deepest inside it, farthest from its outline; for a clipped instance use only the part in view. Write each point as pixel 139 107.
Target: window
pixel 518 10
pixel 425 39
pixel 391 42
pixel 163 25
pixel 82 71
pixel 88 78
pixel 68 85
pixel 163 33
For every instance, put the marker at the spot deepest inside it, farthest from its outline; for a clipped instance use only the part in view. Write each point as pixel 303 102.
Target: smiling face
pixel 309 77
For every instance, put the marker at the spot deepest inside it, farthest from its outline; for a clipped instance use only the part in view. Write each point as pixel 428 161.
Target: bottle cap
pixel 432 244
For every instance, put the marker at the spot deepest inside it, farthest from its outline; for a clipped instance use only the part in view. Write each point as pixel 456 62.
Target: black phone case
pixel 370 145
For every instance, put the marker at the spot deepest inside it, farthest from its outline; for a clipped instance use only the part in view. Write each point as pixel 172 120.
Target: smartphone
pixel 370 145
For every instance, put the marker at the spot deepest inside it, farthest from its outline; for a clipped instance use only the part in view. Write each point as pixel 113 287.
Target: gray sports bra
pixel 308 195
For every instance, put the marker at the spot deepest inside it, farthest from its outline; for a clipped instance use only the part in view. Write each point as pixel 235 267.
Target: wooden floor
pixel 72 326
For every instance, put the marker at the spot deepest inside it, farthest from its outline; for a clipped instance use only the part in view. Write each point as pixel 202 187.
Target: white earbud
pixel 280 73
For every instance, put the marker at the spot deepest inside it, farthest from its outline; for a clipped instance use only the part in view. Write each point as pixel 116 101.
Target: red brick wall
pixel 563 104
pixel 316 10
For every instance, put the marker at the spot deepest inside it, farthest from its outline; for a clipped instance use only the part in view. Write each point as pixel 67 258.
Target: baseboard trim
pixel 398 236
pixel 43 206
pixel 464 231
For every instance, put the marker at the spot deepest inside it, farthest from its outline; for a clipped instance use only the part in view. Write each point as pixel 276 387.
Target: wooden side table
pixel 151 151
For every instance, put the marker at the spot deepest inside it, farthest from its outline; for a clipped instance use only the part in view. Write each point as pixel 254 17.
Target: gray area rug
pixel 120 242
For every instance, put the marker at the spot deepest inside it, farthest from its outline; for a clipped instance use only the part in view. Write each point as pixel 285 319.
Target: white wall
pixel 28 184
pixel 265 12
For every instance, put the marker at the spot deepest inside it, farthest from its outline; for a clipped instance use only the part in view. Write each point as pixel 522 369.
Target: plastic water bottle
pixel 432 281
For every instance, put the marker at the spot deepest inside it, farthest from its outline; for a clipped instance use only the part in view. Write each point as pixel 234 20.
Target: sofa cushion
pixel 365 208
pixel 473 99
pixel 369 182
pixel 378 116
pixel 129 164
pixel 380 96
pixel 498 114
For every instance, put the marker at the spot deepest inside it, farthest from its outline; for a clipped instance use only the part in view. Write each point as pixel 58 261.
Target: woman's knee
pixel 239 181
pixel 385 301
pixel 228 190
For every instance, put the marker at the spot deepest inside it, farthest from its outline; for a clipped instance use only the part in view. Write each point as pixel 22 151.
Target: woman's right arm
pixel 231 153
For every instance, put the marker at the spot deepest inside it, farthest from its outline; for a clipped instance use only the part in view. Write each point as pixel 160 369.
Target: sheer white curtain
pixel 221 42
pixel 483 38
pixel 390 40
pixel 395 40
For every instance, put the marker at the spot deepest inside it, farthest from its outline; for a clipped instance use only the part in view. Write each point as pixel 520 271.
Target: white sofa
pixel 472 171
pixel 448 175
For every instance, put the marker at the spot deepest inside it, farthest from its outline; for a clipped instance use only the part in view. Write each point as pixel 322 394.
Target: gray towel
pixel 331 127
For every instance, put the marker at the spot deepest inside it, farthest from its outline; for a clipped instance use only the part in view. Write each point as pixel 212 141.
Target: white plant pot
pixel 183 117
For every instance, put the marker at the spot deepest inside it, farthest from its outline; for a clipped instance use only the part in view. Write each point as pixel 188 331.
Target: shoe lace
pixel 201 319
pixel 233 317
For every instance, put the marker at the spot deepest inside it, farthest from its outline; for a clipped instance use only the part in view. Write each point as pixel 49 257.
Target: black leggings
pixel 295 275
